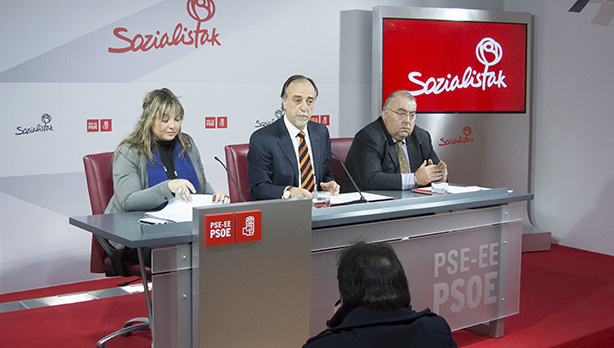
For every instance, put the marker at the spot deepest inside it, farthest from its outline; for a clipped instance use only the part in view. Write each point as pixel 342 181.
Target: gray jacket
pixel 130 182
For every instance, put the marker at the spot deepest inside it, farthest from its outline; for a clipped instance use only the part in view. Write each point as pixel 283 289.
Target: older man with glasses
pixel 392 153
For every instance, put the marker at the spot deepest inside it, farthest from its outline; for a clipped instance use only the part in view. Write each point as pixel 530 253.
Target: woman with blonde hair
pixel 157 162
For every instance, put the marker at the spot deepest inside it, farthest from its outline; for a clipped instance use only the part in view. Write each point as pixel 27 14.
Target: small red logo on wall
pixel 222 122
pixel 105 125
pixel 92 126
pixel 467 130
pixel 219 229
pixel 323 119
pixel 212 122
pixel 248 225
pixel 460 140
pixel 209 122
pixel 99 125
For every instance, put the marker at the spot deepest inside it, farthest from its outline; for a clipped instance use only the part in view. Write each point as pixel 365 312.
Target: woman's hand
pixel 221 198
pixel 182 189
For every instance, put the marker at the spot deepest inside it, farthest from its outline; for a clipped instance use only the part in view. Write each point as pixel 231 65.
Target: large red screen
pixel 455 66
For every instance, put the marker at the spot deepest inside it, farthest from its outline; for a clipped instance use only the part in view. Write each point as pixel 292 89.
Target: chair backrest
pixel 340 147
pixel 99 177
pixel 236 161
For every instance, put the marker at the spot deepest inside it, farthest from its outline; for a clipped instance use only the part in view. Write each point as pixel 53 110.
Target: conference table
pixel 461 253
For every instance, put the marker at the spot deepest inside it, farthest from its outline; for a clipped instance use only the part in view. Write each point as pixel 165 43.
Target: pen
pixel 211 193
pixel 223 199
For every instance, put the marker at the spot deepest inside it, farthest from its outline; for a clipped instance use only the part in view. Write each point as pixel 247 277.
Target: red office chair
pixel 104 257
pixel 340 147
pixel 236 161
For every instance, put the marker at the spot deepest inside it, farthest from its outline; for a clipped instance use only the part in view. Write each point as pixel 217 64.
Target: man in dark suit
pixel 276 150
pixel 392 153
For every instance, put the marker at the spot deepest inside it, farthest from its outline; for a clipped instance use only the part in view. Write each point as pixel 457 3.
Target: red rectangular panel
pixel 248 226
pixel 210 122
pixel 92 126
pixel 456 66
pixel 106 125
pixel 222 122
pixel 219 229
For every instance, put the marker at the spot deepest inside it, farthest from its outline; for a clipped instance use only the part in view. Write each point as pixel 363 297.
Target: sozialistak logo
pixel 488 52
pixel 44 127
pixel 463 139
pixel 278 114
pixel 200 10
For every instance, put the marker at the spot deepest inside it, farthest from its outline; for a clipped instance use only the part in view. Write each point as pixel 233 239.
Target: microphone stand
pixel 231 178
pixel 362 198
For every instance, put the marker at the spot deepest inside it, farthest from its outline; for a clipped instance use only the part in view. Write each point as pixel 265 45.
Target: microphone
pixel 231 178
pixel 362 198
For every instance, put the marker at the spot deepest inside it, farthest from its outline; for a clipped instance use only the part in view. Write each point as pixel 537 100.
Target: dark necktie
pixel 307 180
pixel 402 158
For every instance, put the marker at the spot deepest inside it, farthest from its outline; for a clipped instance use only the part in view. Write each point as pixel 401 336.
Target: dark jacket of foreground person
pixel 364 327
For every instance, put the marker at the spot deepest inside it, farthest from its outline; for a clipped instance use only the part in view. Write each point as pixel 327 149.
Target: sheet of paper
pixel 178 210
pixel 453 189
pixel 355 196
pixel 463 189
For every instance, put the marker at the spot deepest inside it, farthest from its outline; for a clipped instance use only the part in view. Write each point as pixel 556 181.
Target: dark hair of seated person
pixel 371 275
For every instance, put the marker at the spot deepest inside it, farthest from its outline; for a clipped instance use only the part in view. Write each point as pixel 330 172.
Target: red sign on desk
pixel 248 226
pixel 219 229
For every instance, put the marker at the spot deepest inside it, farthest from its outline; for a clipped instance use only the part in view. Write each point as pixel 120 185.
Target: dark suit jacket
pixel 272 163
pixel 392 328
pixel 373 161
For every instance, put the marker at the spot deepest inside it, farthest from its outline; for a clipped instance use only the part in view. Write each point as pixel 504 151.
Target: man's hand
pixel 296 192
pixel 428 172
pixel 444 168
pixel 331 187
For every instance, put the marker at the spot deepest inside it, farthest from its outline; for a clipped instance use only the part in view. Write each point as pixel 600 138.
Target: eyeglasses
pixel 401 115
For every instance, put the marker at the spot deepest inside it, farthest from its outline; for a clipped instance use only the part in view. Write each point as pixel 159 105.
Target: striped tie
pixel 402 158
pixel 307 180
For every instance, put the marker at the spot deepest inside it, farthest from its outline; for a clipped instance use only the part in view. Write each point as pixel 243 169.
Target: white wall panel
pixel 573 176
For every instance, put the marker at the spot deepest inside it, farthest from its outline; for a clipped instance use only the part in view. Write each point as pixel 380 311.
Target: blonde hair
pixel 155 104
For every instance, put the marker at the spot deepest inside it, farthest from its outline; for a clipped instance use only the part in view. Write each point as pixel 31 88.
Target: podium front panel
pixel 254 294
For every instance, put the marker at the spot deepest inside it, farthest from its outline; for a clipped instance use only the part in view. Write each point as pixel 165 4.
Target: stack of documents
pixel 344 198
pixel 178 210
pixel 454 189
